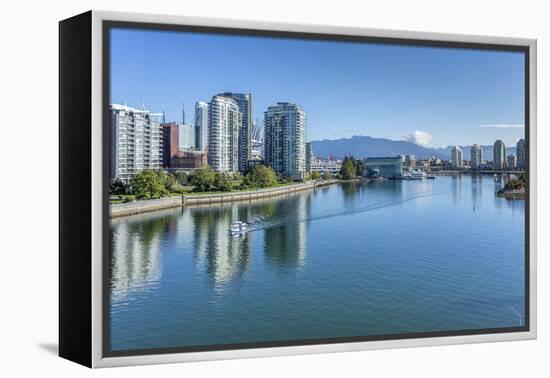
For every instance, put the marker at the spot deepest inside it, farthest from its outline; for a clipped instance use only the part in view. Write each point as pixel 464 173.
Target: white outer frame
pixel 97 198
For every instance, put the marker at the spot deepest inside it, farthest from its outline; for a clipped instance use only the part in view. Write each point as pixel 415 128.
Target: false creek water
pixel 352 259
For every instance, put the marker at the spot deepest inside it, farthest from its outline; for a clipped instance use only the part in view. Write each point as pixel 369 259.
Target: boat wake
pixel 381 205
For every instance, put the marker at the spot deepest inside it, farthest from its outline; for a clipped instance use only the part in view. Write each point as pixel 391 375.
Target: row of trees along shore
pixel 352 168
pixel 149 184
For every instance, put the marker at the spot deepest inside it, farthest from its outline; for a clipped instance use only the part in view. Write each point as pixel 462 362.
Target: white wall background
pixel 28 264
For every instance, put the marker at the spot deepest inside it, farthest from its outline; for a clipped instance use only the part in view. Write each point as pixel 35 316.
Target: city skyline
pixel 431 91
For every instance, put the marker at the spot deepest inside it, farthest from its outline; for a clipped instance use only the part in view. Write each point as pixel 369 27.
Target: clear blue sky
pixel 456 96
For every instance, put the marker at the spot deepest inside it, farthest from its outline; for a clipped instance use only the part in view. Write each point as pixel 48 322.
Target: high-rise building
pixel 225 123
pixel 244 102
pixel 476 156
pixel 309 156
pixel 256 152
pixel 170 142
pixel 520 153
pixel 499 154
pixel 201 125
pixel 457 158
pixel 136 142
pixel 187 136
pixel 285 139
pixel 511 161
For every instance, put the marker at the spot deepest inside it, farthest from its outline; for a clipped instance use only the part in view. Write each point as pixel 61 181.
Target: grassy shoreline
pixel 211 198
pixel 121 197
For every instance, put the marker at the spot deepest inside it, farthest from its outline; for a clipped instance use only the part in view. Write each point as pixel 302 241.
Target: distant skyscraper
pixel 201 125
pixel 256 152
pixel 136 142
pixel 244 101
pixel 520 153
pixel 170 142
pixel 499 154
pixel 225 123
pixel 512 161
pixel 309 156
pixel 457 158
pixel 285 139
pixel 187 136
pixel 476 156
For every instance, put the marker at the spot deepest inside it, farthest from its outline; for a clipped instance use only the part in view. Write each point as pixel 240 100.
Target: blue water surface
pixel 352 259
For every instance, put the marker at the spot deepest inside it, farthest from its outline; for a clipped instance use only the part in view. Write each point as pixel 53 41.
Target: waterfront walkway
pixel 207 199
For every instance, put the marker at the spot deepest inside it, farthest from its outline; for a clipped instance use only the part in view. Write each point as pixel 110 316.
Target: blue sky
pixel 433 96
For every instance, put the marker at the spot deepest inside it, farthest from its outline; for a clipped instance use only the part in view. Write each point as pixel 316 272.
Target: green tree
pixel 515 182
pixel 222 182
pixel 348 169
pixel 181 178
pixel 315 175
pixel 237 180
pixel 147 184
pixel 169 180
pixel 261 176
pixel 117 187
pixel 326 176
pixel 203 179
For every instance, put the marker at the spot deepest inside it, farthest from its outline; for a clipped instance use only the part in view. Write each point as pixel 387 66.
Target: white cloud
pixel 422 138
pixel 504 126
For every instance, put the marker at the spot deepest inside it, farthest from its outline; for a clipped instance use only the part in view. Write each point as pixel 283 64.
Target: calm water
pixel 344 260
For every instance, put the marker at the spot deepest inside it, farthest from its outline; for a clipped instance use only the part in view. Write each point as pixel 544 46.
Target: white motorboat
pixel 238 228
pixel 414 175
pixel 417 174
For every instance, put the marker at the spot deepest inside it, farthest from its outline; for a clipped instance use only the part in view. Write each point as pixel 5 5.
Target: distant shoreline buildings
pixel 499 154
pixel 476 156
pixel 457 158
pixel 224 137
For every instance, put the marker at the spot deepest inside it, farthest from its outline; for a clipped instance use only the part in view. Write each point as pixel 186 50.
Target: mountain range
pixel 366 146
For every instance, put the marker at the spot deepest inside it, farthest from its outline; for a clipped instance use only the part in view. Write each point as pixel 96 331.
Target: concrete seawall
pixel 137 207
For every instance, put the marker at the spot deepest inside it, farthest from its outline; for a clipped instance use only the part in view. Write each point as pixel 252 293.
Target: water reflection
pixel 313 257
pixel 278 229
pixel 135 252
pixel 456 187
pixel 285 244
pixel 477 190
pixel 224 257
pixel 350 189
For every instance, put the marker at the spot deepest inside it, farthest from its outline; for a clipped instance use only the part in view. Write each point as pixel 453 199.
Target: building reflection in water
pixel 456 187
pixel 135 252
pixel 137 243
pixel 285 243
pixel 477 189
pixel 222 256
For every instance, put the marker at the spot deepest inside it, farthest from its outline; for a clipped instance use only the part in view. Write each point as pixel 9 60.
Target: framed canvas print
pixel 235 189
